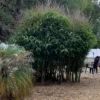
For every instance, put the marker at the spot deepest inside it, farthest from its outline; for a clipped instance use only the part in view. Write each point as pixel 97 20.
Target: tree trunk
pixel 43 74
pixel 17 11
pixel 73 77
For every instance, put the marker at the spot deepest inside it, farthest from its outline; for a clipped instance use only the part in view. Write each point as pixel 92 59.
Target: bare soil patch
pixel 87 89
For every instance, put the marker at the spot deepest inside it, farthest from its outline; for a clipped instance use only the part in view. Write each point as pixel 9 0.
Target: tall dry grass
pixel 15 76
pixel 76 17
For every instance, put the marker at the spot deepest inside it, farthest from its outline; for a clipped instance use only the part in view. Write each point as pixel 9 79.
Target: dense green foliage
pixel 14 9
pixel 92 11
pixel 15 76
pixel 59 46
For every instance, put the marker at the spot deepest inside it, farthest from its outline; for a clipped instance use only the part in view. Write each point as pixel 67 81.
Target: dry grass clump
pixel 76 16
pixel 15 76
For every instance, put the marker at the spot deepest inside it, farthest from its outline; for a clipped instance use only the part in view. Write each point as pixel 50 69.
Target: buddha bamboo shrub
pixel 59 45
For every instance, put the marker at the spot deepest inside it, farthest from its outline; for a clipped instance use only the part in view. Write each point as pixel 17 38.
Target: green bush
pixel 98 43
pixel 59 46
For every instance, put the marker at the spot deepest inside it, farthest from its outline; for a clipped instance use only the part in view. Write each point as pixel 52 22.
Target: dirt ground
pixel 87 89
